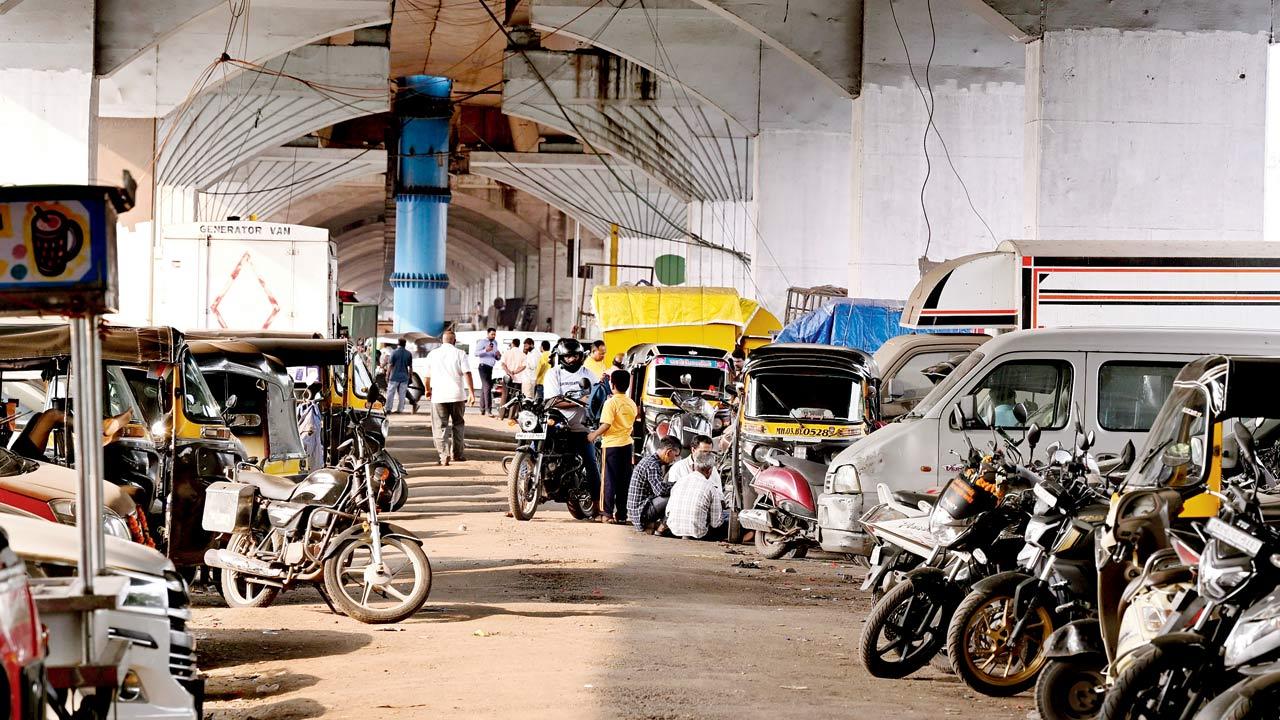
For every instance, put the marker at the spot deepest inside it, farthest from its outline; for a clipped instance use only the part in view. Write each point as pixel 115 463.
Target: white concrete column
pixel 802 225
pixel 48 106
pixel 1146 134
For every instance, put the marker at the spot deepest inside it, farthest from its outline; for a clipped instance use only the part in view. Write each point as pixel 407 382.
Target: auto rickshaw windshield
pixel 807 397
pixel 1175 451
pixel 198 403
pixel 668 375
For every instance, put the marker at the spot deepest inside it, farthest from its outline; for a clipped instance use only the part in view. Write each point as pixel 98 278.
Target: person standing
pixel 647 498
pixel 696 507
pixel 448 373
pixel 399 367
pixel 488 353
pixel 596 362
pixel 512 367
pixel 544 364
pixel 614 433
pixel 529 378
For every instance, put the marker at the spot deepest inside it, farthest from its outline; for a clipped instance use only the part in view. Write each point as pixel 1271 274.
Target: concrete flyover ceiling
pixel 155 55
pixel 203 142
pixel 275 179
pixel 367 192
pixel 749 81
pixel 362 266
pixel 1031 18
pixel 589 191
pixel 821 35
pixel 634 114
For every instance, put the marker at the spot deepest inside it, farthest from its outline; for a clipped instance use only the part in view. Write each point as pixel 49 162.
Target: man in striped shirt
pixel 696 507
pixel 647 496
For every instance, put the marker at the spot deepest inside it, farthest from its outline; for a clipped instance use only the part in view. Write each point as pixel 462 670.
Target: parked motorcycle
pixel 324 530
pixel 1178 672
pixel 546 466
pixel 785 515
pixel 999 634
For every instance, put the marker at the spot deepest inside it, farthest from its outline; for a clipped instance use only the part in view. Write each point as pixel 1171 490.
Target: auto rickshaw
pixel 256 392
pixel 804 400
pixel 666 380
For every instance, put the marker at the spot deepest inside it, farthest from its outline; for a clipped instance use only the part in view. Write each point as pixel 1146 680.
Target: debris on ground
pixel 484 633
pixel 749 564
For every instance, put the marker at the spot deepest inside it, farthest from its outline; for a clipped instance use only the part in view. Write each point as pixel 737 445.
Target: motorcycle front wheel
pixel 398 593
pixel 1068 689
pixel 1165 681
pixel 240 590
pixel 522 487
pixel 905 630
pixel 983 654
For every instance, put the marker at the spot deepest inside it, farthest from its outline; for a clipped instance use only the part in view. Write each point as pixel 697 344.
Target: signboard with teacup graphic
pixel 57 249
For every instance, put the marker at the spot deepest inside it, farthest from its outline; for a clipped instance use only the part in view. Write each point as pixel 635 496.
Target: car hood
pixel 869 451
pixel 51 482
pixel 36 540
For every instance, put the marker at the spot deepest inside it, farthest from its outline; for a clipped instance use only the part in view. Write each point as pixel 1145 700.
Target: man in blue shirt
pixel 488 353
pixel 399 368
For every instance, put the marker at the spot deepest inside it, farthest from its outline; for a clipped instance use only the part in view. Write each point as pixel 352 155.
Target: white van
pixel 1116 378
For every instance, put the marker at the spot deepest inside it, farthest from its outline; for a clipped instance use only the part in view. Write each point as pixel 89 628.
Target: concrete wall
pixel 128 144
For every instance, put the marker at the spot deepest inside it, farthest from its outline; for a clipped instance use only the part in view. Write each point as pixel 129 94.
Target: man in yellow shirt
pixel 596 362
pixel 616 419
pixel 544 364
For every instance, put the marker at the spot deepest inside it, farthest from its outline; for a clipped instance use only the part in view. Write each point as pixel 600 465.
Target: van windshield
pixel 943 388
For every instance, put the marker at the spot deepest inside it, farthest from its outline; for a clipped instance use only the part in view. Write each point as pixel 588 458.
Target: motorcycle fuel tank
pixel 785 484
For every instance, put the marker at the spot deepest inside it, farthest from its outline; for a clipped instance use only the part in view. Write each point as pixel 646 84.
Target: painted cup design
pixel 55 240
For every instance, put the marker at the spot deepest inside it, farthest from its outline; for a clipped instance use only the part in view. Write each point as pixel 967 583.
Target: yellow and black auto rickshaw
pixel 671 382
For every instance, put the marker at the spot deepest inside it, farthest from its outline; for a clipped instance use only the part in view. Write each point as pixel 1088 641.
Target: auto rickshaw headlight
pixel 527 421
pixel 845 481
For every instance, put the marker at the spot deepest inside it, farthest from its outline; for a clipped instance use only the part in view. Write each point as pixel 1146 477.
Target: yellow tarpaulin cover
pixel 759 325
pixel 715 317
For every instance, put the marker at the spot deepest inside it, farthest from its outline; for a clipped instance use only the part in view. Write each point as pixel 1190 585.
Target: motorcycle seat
pixel 814 473
pixel 907 497
pixel 272 487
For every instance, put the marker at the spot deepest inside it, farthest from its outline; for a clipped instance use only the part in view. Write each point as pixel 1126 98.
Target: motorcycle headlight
pixel 385 427
pixel 1257 632
pixel 527 421
pixel 845 481
pixel 1220 576
pixel 946 529
pixel 64 509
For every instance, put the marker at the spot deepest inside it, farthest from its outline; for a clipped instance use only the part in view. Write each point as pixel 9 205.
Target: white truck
pixel 247 276
pixel 1028 284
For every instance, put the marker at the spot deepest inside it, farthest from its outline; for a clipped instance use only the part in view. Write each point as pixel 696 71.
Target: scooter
pixel 785 515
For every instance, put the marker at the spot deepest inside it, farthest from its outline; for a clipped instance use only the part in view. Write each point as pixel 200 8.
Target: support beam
pixel 129 28
pixel 274 180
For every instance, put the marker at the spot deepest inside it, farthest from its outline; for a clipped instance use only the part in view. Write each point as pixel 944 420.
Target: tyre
pixel 522 488
pixel 239 590
pixel 581 505
pixel 771 546
pixel 733 533
pixel 1068 689
pixel 981 652
pixel 1254 698
pixel 905 630
pixel 399 593
pixel 1163 681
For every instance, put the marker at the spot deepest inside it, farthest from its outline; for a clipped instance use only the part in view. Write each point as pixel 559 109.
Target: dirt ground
pixel 561 619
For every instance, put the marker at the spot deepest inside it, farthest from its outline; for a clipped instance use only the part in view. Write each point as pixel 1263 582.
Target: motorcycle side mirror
pixel 1087 442
pixel 230 403
pixel 244 420
pixel 1020 414
pixel 585 384
pixel 373 395
pixel 1244 440
pixel 956 419
pixel 1127 455
pixel 1033 435
pixel 1054 447
pixel 968 412
pixel 686 380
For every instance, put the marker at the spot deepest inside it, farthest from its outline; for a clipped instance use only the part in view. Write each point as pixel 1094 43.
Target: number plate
pixel 532 435
pixel 1234 536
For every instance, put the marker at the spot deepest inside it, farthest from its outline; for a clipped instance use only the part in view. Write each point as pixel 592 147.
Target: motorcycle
pixel 1178 672
pixel 999 634
pixel 324 530
pixel 785 515
pixel 976 527
pixel 545 465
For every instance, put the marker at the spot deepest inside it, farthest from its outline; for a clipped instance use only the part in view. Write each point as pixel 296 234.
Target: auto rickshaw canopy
pixel 705 316
pixel 39 343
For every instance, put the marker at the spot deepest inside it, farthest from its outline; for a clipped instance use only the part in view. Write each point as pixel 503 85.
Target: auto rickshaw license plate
pixel 532 435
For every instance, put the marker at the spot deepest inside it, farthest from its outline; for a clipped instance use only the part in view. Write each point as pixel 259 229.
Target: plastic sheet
pixel 848 322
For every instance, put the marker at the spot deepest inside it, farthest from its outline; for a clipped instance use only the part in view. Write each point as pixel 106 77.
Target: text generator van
pixel 1117 378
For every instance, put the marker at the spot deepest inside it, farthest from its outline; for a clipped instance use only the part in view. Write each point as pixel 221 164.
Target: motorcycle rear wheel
pixel 238 590
pixel 1066 689
pixel 899 617
pixel 522 490
pixel 345 582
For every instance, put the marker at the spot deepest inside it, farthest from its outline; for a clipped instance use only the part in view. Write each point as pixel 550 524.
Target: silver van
pixel 1116 378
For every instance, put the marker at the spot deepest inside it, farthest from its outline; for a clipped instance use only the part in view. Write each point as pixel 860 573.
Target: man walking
pixel 616 421
pixel 647 497
pixel 488 353
pixel 696 507
pixel 448 372
pixel 399 367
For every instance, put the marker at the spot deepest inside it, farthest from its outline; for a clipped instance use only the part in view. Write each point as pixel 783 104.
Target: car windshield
pixel 1174 453
pixel 198 403
pixel 805 397
pixel 943 388
pixel 11 464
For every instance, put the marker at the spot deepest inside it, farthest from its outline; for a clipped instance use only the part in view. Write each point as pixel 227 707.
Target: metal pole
pixel 86 402
pixel 579 282
pixel 613 254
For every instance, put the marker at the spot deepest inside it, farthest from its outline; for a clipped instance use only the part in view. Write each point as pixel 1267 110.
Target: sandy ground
pixel 561 619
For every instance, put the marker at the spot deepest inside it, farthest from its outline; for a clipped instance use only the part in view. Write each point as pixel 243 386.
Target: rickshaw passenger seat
pixel 271 486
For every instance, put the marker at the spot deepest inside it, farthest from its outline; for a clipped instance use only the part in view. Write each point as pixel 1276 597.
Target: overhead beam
pixel 273 180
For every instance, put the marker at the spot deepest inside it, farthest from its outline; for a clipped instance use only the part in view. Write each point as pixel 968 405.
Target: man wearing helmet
pixel 566 379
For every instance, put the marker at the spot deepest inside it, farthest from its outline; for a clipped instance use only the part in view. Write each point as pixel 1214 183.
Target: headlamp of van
pixel 527 421
pixel 146 592
pixel 64 509
pixel 845 480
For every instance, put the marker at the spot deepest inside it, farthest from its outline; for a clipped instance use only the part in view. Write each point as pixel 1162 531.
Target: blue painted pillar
pixel 423 109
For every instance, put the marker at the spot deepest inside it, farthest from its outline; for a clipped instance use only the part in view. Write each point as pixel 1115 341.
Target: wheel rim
pixel 401 566
pixel 528 489
pixel 242 587
pixel 988 653
pixel 907 631
pixel 1081 697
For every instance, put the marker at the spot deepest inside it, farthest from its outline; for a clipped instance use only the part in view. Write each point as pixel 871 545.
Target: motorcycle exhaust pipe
pixel 228 560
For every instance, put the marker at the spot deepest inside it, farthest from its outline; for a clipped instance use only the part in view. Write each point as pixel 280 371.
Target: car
pixel 48 491
pixel 22 687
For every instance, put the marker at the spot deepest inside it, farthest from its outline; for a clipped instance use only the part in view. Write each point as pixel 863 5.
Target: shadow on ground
pixel 228 647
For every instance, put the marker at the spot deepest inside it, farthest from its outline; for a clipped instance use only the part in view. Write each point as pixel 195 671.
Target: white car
pixel 162 682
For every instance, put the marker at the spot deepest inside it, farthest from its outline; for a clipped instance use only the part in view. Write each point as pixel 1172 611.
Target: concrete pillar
pixel 1155 133
pixel 802 190
pixel 48 103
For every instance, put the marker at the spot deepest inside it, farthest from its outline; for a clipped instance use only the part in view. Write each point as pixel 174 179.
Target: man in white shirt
pixel 565 378
pixel 685 468
pixel 448 372
pixel 696 506
pixel 529 378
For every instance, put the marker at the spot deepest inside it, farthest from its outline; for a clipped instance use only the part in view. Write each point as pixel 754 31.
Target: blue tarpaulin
pixel 848 322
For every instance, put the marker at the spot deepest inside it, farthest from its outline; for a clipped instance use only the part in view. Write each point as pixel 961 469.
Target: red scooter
pixel 785 516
